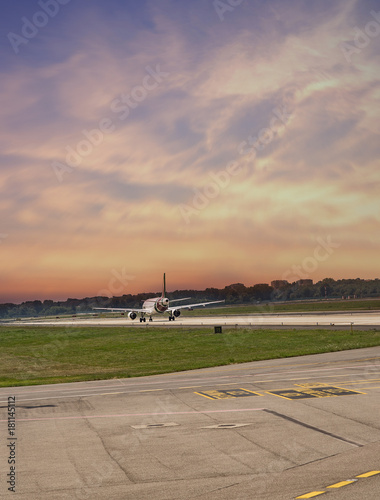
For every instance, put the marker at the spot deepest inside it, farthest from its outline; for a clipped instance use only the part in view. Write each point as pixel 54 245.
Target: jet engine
pixel 132 315
pixel 176 313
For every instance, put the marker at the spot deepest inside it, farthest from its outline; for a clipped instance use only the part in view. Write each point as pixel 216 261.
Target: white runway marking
pixel 301 319
pixel 134 387
pixel 81 417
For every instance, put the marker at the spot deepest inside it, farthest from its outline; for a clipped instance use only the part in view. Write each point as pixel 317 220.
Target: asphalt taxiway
pixel 291 428
pixel 360 319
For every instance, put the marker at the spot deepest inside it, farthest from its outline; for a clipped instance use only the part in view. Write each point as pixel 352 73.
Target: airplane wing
pixel 177 300
pixel 170 309
pixel 123 309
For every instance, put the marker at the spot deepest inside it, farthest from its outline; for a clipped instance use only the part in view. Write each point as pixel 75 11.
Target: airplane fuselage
pixel 156 305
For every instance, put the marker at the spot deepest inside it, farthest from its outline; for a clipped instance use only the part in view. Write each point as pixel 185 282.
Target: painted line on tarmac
pixel 369 388
pixel 341 484
pixel 232 368
pixel 278 372
pixel 127 386
pixel 145 390
pixel 81 417
pixel 227 393
pixel 313 392
pixel 365 381
pixel 134 385
pixel 318 370
pixel 369 474
pixel 130 389
pixel 195 386
pixel 312 494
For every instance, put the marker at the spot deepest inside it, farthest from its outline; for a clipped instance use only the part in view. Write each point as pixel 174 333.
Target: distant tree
pixel 325 290
pixel 233 294
pixel 26 311
pixel 262 291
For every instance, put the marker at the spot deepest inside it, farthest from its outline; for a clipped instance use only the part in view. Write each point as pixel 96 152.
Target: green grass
pixel 44 355
pixel 301 306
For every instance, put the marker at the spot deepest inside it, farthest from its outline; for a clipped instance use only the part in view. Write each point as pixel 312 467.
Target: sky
pixel 217 141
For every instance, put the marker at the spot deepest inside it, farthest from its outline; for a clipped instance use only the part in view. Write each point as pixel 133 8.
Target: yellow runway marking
pixel 366 381
pixel 303 378
pixel 306 377
pixel 248 390
pixel 369 388
pixel 108 393
pixel 313 392
pixel 227 393
pixel 312 494
pixel 369 474
pixel 320 363
pixel 204 395
pixel 342 483
pixel 191 387
pixel 196 386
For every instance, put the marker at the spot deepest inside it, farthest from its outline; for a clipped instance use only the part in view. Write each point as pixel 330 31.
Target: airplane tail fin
pixel 164 287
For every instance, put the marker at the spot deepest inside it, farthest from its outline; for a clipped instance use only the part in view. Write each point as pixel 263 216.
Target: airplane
pixel 157 305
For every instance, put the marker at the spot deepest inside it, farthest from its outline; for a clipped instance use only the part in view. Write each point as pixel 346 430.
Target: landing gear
pixel 151 319
pixel 142 320
pixel 171 318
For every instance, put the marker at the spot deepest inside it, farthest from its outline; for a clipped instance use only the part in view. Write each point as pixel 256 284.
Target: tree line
pixel 233 294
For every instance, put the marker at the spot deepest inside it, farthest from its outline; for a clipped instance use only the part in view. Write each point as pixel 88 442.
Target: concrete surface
pixel 167 437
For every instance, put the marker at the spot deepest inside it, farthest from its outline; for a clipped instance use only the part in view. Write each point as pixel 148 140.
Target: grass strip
pixel 294 307
pixel 44 355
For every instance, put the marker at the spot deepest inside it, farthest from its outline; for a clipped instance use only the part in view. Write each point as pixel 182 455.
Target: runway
pixel 361 319
pixel 282 429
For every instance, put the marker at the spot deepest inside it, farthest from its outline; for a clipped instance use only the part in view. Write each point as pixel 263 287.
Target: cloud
pixel 223 82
